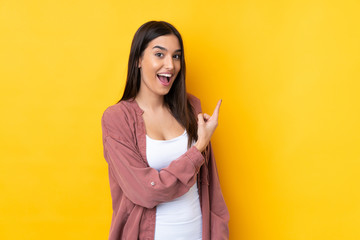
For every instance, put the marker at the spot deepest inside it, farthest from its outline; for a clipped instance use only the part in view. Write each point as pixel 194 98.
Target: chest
pixel 160 153
pixel 162 126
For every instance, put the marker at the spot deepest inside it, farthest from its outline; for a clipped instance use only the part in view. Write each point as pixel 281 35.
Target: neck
pixel 150 102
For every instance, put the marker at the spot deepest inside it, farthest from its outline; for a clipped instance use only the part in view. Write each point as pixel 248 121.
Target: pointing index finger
pixel 217 108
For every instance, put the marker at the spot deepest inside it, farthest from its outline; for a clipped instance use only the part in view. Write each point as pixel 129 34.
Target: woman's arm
pixel 140 183
pixel 219 215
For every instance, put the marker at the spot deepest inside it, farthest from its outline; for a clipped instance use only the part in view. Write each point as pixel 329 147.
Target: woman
pixel 162 172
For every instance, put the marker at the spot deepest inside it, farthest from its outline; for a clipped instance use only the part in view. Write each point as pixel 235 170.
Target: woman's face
pixel 159 65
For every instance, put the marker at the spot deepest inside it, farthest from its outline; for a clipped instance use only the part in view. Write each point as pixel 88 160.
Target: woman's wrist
pixel 200 146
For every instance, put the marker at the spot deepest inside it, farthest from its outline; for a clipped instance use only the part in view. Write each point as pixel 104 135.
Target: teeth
pixel 164 75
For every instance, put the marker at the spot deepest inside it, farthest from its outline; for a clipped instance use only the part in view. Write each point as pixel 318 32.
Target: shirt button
pixel 152 183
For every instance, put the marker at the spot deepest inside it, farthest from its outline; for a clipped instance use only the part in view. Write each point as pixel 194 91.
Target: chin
pixel 163 93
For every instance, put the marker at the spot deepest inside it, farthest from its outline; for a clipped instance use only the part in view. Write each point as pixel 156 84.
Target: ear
pixel 139 62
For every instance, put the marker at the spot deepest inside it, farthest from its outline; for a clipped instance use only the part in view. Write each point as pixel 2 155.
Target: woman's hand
pixel 206 127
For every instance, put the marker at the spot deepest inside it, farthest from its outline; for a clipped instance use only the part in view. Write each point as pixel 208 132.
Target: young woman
pixel 162 171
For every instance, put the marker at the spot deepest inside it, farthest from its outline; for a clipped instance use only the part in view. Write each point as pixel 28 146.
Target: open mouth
pixel 164 77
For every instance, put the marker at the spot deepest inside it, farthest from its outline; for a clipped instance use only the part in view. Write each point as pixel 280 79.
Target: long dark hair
pixel 176 98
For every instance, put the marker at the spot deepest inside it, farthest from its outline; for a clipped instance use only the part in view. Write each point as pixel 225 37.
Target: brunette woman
pixel 162 172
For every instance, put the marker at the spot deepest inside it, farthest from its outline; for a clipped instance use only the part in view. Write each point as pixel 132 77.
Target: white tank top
pixel 179 219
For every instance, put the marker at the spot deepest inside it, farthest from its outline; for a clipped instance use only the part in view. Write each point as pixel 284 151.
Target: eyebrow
pixel 164 49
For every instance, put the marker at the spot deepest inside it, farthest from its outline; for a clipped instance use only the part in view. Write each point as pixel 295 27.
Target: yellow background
pixel 287 145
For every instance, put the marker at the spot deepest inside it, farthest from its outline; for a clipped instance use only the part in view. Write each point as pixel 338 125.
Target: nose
pixel 169 63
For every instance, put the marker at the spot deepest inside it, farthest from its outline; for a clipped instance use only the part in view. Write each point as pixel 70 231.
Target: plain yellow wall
pixel 287 145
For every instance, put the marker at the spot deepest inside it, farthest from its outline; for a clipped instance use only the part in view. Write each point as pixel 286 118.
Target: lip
pixel 166 73
pixel 164 83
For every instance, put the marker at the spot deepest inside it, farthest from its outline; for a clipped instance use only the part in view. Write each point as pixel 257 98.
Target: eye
pixel 177 56
pixel 159 54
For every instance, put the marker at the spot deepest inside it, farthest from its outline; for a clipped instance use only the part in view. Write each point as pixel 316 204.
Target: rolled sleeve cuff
pixel 196 158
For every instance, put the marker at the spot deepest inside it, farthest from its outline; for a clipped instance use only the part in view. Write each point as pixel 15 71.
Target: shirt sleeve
pixel 141 184
pixel 219 213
